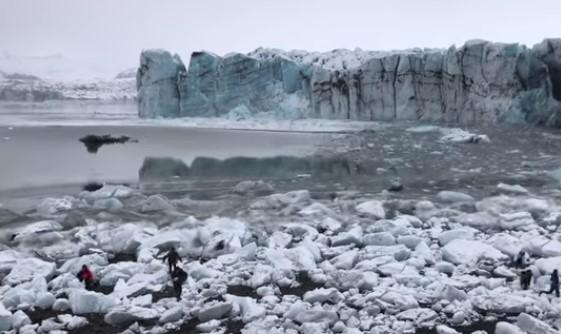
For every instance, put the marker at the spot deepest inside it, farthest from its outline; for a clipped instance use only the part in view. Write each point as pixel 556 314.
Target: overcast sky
pixel 113 32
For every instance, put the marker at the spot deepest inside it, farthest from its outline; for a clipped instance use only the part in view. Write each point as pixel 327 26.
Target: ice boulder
pixel 156 203
pixel 459 233
pixel 512 189
pixel 6 319
pixel 322 295
pixel 20 319
pixel 529 324
pixel 249 308
pixel 254 188
pixel 301 314
pixel 214 311
pixel 546 266
pixel 83 302
pixel 503 327
pixel 353 236
pixel 480 220
pixel 125 316
pixel 453 197
pixel 469 252
pixel 172 315
pixel 109 204
pixel 517 221
pixel 552 249
pixel 51 206
pixel 25 269
pixel 379 239
pixel 372 208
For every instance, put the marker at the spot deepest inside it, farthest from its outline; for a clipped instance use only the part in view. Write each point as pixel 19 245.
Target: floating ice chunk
pixel 94 261
pixel 457 135
pixel 301 314
pixel 296 199
pixel 410 241
pixel 279 240
pixel 72 322
pixel 107 191
pixel 469 252
pixel 453 197
pixel 460 233
pixel 512 189
pixel 420 316
pixel 501 300
pixel 452 293
pixel 255 188
pixel 51 206
pixel 507 244
pixel 8 259
pixel 156 203
pixel 400 299
pixel 373 208
pixel 109 204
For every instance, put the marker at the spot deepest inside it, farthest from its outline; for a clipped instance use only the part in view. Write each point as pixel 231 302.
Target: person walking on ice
pixel 172 259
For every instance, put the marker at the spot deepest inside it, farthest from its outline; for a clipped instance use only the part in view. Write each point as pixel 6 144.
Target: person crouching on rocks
pixel 178 276
pixel 85 275
pixel 172 259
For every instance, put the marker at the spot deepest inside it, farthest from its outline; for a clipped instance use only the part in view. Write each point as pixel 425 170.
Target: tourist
pixel 172 259
pixel 85 275
pixel 178 276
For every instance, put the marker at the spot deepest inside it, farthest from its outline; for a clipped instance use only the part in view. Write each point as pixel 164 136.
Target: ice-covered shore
pixel 287 263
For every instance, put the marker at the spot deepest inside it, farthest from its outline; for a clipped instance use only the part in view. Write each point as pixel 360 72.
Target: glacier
pixel 478 83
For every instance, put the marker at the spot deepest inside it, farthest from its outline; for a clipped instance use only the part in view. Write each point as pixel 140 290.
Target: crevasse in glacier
pixel 478 83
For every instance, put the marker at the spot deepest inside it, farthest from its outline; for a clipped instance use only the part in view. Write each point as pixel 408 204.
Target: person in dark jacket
pixel 554 283
pixel 172 259
pixel 178 276
pixel 525 279
pixel 85 275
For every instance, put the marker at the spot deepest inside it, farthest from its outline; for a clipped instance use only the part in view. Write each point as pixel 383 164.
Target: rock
pixel 453 197
pixel 529 324
pixel 469 252
pixel 373 208
pixel 214 311
pixel 172 315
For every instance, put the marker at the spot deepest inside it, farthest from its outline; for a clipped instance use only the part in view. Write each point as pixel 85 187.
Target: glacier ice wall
pixel 478 83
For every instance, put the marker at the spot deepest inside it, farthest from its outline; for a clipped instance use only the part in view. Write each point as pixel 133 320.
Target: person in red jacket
pixel 85 275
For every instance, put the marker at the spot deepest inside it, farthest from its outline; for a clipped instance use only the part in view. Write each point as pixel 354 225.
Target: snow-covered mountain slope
pixel 480 82
pixel 21 87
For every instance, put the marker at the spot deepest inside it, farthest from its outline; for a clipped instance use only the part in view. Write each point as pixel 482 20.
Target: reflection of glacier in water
pixel 154 169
